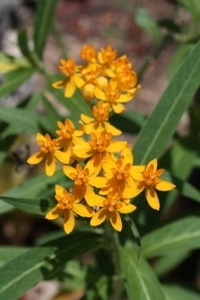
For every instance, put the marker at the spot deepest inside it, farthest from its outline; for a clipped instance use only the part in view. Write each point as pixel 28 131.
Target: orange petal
pixel 54 214
pixel 50 165
pixel 99 217
pixel 115 220
pixel 36 158
pixel 69 221
pixel 165 186
pixel 152 198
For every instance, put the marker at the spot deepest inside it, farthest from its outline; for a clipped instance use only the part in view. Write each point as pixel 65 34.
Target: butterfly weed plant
pixel 102 191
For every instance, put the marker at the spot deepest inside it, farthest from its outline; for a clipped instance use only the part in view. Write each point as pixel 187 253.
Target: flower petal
pixel 82 210
pixel 115 220
pixel 95 164
pixel 78 80
pixel 40 137
pixel 60 191
pixel 36 158
pixel 127 208
pixel 59 84
pixel 54 213
pixel 98 182
pixel 86 119
pixel 152 165
pixel 136 175
pixel 81 152
pixel 50 165
pixel 89 195
pixel 165 186
pixel 70 89
pixel 69 221
pixel 70 172
pixel 99 94
pixel 99 217
pixel 152 198
pixel 111 129
pixel 116 146
pixel 134 190
pixel 124 98
pixel 139 168
pixel 118 108
pixel 63 157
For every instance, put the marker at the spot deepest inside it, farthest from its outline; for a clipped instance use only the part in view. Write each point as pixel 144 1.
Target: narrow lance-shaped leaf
pixel 14 79
pixel 179 235
pixel 44 17
pixel 175 292
pixel 141 282
pixel 162 123
pixel 20 274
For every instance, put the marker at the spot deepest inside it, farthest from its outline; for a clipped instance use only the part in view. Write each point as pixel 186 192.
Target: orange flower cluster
pixel 104 176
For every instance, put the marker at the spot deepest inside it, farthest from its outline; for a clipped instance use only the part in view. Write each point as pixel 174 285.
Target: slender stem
pixel 118 283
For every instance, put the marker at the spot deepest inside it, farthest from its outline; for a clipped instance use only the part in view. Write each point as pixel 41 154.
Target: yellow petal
pixel 54 214
pixel 89 195
pixel 60 191
pixel 165 186
pixel 78 192
pixel 35 158
pixel 70 172
pixel 63 157
pixel 152 165
pixel 111 129
pixel 124 98
pixel 50 165
pixel 116 146
pixel 70 89
pixel 69 221
pixel 118 108
pixel 100 58
pixel 127 208
pixel 86 119
pixel 82 210
pixel 134 190
pixel 40 137
pixel 152 198
pixel 95 164
pixel 82 152
pixel 139 168
pixel 136 175
pixel 89 128
pixel 98 182
pixel 78 81
pixel 99 94
pixel 59 84
pixel 115 220
pixel 99 217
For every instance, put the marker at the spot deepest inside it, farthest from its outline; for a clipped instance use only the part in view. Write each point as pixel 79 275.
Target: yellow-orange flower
pixel 69 207
pixel 100 122
pixel 148 178
pixel 49 151
pixel 113 96
pixel 67 137
pixel 111 207
pixel 98 149
pixel 88 53
pixel 106 56
pixel 83 181
pixel 73 79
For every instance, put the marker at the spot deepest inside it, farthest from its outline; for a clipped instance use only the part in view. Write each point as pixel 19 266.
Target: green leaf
pixel 34 206
pixel 162 123
pixel 193 6
pixel 40 186
pixel 23 45
pixel 76 105
pixel 176 236
pixel 175 292
pixel 20 274
pixel 128 122
pixel 14 79
pixel 177 58
pixel 141 282
pixel 146 21
pixel 44 18
pixel 8 253
pixel 25 120
pixel 167 263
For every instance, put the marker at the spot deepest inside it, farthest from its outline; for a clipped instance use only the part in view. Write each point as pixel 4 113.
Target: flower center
pixel 101 142
pixel 49 145
pixel 112 204
pixel 66 130
pixel 88 52
pixel 100 112
pixel 65 202
pixel 126 79
pixel 112 94
pixel 67 67
pixel 82 175
pixel 108 54
pixel 151 177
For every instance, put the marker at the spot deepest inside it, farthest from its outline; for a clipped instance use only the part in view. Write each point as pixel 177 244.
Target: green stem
pixel 118 283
